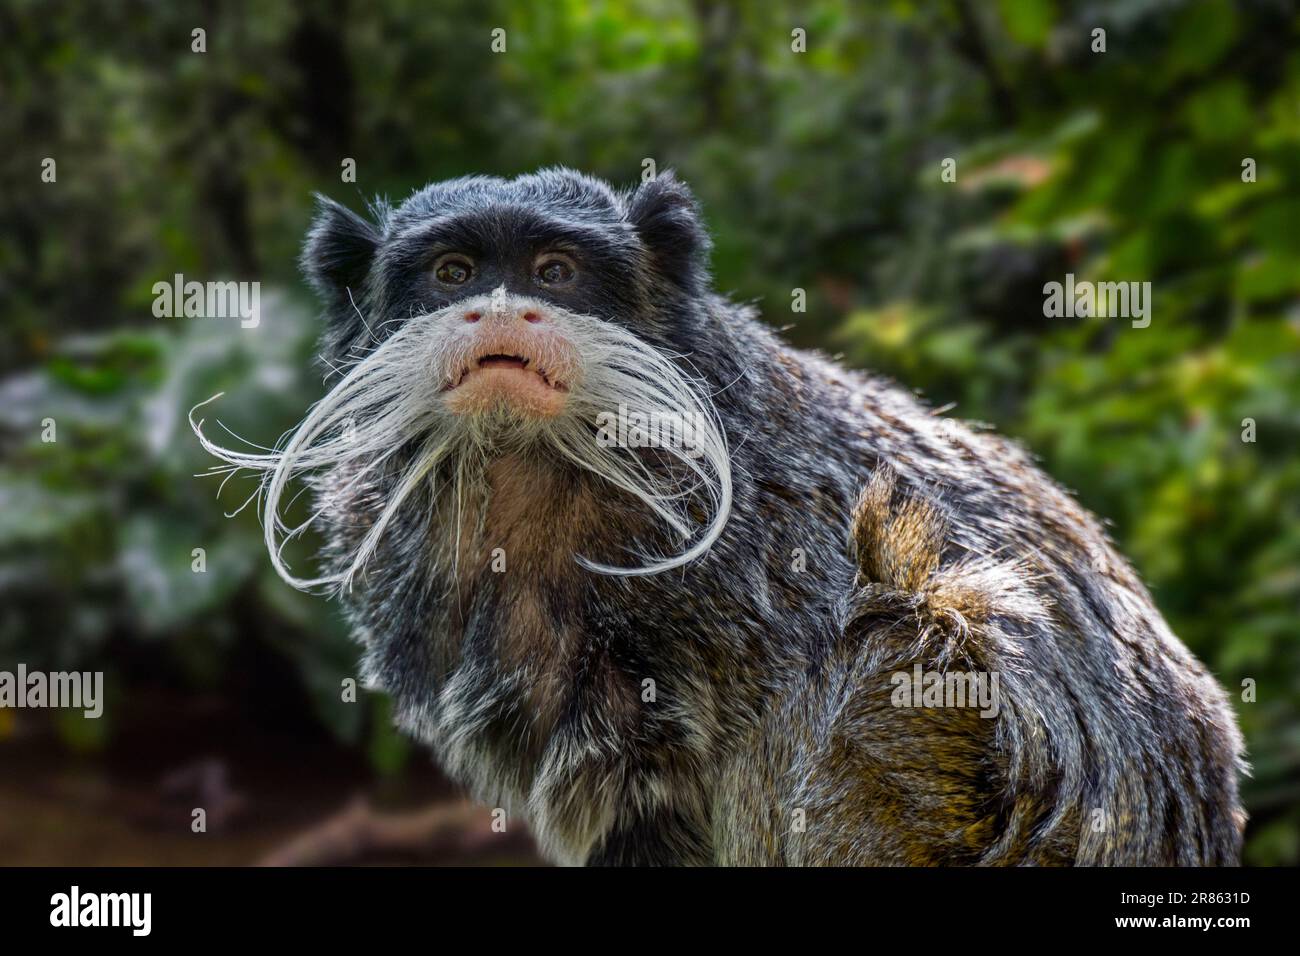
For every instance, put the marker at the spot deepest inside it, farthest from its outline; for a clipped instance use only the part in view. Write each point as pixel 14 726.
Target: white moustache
pixel 393 395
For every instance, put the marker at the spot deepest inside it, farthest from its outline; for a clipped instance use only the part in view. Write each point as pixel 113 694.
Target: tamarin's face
pixel 486 317
pixel 501 265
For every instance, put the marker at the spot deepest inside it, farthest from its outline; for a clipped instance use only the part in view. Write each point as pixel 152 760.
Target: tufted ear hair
pixel 667 217
pixel 338 252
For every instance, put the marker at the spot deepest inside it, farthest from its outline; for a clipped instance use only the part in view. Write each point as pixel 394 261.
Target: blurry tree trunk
pixel 318 115
pixel 717 32
pixel 971 45
pixel 444 832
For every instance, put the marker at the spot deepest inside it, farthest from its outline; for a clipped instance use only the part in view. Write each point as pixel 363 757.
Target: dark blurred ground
pixel 267 775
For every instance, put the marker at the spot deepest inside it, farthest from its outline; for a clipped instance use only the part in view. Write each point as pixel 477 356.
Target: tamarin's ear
pixel 339 249
pixel 667 218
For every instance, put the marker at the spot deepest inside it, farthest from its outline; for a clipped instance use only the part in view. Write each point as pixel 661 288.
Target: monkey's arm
pixel 1094 737
pixel 937 735
pixel 871 761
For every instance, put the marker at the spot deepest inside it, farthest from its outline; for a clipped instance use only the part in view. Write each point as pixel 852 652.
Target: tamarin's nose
pixel 506 316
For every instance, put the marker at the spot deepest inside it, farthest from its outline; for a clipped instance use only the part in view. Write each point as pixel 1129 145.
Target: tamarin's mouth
pixel 496 377
pixel 502 360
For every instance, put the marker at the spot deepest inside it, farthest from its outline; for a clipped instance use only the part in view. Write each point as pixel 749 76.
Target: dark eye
pixel 454 270
pixel 555 272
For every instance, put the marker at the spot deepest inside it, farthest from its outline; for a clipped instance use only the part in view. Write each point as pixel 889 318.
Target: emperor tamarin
pixel 675 592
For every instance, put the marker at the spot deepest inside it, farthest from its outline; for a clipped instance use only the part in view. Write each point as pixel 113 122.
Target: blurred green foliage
pixel 818 171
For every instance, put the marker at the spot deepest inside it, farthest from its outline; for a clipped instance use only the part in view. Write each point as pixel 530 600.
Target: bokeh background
pixel 818 170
